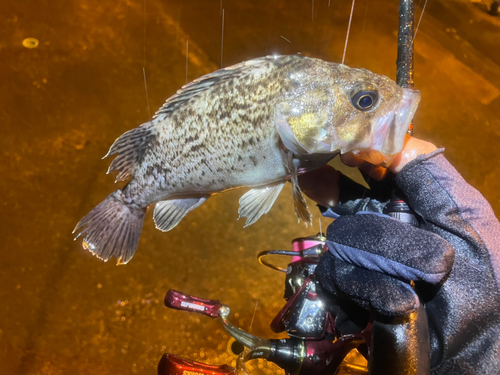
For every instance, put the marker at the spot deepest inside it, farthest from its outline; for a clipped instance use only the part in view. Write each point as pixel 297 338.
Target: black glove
pixel 374 257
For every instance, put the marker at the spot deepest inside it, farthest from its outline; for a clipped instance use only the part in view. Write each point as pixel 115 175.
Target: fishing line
pixel 144 61
pixel 144 22
pixel 187 59
pixel 348 31
pixel 285 39
pixel 253 316
pixel 419 20
pixel 147 96
pixel 222 41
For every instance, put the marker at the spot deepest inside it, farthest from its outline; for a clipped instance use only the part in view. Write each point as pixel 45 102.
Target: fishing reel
pixel 314 345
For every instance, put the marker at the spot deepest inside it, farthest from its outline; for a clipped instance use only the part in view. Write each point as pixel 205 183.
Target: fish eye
pixel 364 99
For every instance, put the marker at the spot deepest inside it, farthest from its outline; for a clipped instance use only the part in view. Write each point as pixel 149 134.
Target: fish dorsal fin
pixel 169 213
pixel 130 148
pixel 257 202
pixel 210 80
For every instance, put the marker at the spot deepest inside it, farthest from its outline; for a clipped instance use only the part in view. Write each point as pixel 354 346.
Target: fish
pixel 256 124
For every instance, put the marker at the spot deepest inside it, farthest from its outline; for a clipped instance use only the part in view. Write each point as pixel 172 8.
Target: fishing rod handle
pixel 400 345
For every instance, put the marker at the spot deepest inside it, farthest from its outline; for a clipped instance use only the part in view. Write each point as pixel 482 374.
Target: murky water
pixel 68 92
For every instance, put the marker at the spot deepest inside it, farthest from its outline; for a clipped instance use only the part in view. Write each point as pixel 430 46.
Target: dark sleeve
pixel 464 315
pixel 355 197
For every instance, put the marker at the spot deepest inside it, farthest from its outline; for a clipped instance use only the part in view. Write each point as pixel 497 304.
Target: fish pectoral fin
pixel 130 147
pixel 289 139
pixel 292 165
pixel 257 202
pixel 169 213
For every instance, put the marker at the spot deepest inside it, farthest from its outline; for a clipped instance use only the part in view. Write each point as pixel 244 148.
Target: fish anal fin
pixel 169 213
pixel 258 201
pixel 130 148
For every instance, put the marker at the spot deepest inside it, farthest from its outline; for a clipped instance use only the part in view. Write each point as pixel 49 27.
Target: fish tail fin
pixel 112 228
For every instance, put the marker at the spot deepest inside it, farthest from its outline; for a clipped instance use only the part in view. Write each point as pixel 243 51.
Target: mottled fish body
pixel 255 124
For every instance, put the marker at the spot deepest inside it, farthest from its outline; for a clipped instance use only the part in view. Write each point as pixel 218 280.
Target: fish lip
pixel 402 120
pixel 388 131
pixel 391 129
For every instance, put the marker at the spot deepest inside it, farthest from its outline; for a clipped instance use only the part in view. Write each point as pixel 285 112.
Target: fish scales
pixel 255 124
pixel 215 139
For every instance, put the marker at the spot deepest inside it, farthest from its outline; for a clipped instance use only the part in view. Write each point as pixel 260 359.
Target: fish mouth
pixel 389 131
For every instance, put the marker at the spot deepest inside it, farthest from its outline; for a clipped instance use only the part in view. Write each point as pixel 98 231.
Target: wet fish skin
pixel 255 124
pixel 221 139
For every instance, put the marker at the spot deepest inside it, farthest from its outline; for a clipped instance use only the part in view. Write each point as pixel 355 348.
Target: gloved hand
pixel 372 258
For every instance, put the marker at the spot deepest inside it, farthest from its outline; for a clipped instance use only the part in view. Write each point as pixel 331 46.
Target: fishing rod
pixel 396 339
pixel 406 34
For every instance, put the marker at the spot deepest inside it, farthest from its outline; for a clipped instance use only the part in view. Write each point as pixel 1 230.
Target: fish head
pixel 342 109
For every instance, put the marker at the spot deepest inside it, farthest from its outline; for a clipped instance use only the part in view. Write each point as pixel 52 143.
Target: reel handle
pixel 180 301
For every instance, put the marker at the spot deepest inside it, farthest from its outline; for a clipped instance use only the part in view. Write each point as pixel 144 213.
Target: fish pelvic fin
pixel 112 228
pixel 130 148
pixel 299 201
pixel 169 213
pixel 257 202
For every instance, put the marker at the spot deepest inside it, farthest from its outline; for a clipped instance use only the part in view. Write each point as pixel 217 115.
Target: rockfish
pixel 256 124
